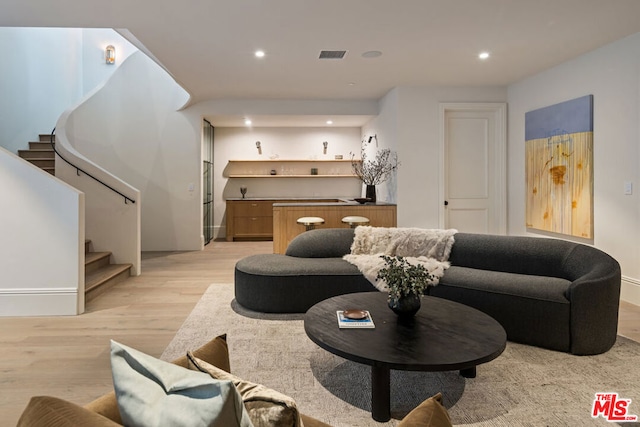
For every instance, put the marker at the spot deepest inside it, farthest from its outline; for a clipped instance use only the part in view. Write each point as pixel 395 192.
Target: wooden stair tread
pixel 96 278
pixel 40 145
pixel 41 154
pixel 90 257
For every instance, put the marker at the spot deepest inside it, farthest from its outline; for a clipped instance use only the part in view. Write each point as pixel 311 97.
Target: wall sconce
pixel 324 150
pixel 371 138
pixel 110 55
pixel 258 146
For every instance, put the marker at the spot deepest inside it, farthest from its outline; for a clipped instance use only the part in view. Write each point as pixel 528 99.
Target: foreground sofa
pixel 545 292
pixel 48 411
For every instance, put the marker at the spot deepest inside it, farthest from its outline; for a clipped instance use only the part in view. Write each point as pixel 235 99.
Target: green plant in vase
pixel 406 283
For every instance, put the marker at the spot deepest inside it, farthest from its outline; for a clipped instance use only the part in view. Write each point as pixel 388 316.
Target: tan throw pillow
pixel 266 407
pixel 430 413
pixel 154 393
pixel 46 411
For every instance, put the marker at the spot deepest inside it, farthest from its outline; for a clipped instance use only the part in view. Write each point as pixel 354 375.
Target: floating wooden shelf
pixel 291 176
pixel 289 168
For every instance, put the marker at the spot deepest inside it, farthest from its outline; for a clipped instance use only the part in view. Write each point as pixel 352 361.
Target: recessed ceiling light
pixel 247 122
pixel 483 55
pixel 259 53
pixel 372 54
pixel 329 122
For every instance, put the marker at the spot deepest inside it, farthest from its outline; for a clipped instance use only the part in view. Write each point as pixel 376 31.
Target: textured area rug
pixel 525 386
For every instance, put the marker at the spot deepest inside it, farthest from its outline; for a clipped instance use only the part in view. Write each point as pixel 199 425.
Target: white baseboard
pixel 219 232
pixel 630 290
pixel 39 302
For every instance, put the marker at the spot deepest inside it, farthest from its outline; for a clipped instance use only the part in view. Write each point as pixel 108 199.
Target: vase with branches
pixel 375 171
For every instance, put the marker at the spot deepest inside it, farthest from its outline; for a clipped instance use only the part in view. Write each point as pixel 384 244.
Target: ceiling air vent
pixel 332 54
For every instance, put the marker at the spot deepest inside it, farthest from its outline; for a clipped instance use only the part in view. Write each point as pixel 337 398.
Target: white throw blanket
pixel 428 247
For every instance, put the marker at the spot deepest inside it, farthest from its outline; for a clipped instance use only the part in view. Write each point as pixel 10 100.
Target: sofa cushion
pixel 321 243
pixel 266 407
pixel 47 411
pixel 276 265
pixel 532 309
pixel 274 283
pixel 522 285
pixel 215 352
pixel 513 254
pixel 430 413
pixel 151 392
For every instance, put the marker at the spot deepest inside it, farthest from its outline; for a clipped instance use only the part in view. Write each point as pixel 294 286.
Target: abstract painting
pixel 559 168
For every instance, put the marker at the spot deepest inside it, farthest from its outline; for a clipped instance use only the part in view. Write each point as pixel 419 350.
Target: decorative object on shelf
pixel 243 191
pixel 324 145
pixel 273 172
pixel 314 171
pixel 338 157
pixel 406 282
pixel 259 147
pixel 376 171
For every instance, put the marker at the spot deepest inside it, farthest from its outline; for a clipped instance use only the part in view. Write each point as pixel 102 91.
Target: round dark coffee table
pixel 443 336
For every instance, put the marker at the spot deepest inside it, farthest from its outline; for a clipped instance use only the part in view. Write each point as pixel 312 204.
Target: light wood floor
pixel 68 357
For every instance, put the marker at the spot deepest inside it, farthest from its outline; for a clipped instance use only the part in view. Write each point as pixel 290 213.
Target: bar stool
pixel 355 221
pixel 310 222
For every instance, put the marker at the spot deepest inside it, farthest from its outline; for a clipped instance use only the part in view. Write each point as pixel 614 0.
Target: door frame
pixel 499 110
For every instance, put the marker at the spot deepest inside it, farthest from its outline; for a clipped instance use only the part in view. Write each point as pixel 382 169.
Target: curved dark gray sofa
pixel 545 292
pixel 311 270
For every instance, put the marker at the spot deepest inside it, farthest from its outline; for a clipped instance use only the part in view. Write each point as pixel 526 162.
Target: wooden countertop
pixel 308 201
pixel 341 203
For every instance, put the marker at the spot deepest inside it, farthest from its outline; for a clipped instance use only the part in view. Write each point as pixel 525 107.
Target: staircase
pixel 41 154
pixel 99 273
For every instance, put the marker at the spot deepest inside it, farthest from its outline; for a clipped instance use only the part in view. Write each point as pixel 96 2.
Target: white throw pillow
pixel 153 393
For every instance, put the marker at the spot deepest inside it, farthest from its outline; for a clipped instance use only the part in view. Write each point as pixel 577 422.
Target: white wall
pixel 285 143
pixel 409 121
pixel 612 75
pixel 385 128
pixel 131 128
pixel 45 71
pixel 42 227
pixel 41 77
pixel 95 70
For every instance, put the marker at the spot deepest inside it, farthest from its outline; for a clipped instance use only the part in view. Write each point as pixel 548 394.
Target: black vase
pixel 406 305
pixel 371 193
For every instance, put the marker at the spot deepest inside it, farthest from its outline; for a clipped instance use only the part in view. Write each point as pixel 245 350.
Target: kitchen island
pixel 285 227
pixel 251 218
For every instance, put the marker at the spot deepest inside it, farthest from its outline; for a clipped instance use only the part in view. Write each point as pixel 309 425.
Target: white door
pixel 473 192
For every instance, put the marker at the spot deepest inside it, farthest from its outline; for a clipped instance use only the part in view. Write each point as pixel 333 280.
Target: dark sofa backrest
pixel 527 255
pixel 539 256
pixel 322 243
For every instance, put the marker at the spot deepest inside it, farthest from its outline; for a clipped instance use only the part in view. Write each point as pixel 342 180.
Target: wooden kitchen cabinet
pixel 252 219
pixel 249 219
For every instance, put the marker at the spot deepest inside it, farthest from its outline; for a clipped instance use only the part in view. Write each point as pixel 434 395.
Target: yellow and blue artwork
pixel 559 168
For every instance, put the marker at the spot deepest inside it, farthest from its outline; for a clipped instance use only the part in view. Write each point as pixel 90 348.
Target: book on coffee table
pixel 364 321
